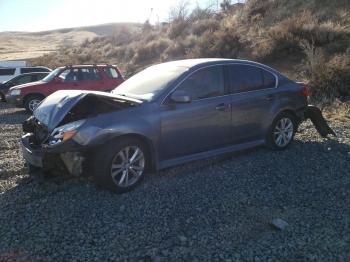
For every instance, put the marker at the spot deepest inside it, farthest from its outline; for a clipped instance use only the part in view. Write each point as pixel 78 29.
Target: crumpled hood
pixel 28 84
pixel 55 107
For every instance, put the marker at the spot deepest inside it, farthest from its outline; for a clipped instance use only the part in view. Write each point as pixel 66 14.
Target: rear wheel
pixel 120 166
pixel 32 102
pixel 282 131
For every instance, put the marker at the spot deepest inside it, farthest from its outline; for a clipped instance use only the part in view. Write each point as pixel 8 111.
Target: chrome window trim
pixel 223 64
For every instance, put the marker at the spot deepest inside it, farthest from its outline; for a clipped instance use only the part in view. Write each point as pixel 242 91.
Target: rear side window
pixel 269 79
pixel 245 78
pixel 38 77
pixel 7 71
pixel 111 72
pixel 23 80
pixel 86 74
pixel 205 83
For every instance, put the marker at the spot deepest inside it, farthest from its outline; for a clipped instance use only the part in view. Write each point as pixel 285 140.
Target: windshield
pixel 149 83
pixel 51 76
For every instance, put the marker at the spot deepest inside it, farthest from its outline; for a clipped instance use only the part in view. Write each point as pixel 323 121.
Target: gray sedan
pixel 166 115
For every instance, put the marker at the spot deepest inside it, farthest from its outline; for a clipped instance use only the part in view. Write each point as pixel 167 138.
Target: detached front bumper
pixel 33 156
pixel 66 157
pixel 16 100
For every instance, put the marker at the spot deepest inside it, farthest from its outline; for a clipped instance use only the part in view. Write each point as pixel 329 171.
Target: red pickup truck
pixel 77 77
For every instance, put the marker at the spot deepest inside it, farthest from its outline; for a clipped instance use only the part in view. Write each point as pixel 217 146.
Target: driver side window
pixel 204 83
pixel 23 80
pixel 69 75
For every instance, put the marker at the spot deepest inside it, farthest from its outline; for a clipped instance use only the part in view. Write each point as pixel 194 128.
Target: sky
pixel 40 15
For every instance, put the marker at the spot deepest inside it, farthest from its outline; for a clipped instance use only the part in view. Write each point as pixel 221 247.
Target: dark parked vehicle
pixel 78 77
pixel 20 80
pixel 166 115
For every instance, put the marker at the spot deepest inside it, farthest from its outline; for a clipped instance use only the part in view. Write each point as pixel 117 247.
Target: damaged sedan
pixel 166 115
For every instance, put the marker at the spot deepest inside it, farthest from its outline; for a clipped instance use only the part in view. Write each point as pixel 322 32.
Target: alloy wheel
pixel 33 104
pixel 128 166
pixel 283 132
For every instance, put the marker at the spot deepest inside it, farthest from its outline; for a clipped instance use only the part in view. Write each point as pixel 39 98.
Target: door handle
pixel 269 97
pixel 222 107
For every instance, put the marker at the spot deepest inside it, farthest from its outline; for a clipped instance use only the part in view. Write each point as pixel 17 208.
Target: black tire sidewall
pixel 270 137
pixel 103 160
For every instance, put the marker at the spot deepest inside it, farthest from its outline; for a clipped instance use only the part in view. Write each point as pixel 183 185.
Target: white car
pixel 7 73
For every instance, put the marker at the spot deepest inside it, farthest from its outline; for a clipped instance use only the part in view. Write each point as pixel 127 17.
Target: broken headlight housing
pixel 65 132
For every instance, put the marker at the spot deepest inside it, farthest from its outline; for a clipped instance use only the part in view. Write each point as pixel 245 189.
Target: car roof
pixel 34 73
pixel 199 62
pixel 88 65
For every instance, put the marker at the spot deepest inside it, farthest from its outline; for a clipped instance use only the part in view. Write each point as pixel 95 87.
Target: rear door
pixel 254 93
pixel 112 78
pixel 90 79
pixel 201 125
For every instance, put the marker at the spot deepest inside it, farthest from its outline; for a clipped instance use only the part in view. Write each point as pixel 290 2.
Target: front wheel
pixel 120 166
pixel 282 131
pixel 32 102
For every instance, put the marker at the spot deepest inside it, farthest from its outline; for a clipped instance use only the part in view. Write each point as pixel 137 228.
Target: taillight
pixel 305 91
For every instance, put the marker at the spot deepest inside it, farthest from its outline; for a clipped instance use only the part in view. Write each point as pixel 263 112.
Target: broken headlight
pixel 65 132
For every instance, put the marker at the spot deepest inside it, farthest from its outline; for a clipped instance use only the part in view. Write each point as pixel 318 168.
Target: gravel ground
pixel 213 210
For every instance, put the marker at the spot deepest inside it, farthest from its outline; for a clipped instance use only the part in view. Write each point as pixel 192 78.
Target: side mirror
pixel 180 96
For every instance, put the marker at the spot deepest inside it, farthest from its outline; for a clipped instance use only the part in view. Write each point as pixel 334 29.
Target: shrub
pixel 329 79
pixel 178 28
pixel 151 50
pixel 199 27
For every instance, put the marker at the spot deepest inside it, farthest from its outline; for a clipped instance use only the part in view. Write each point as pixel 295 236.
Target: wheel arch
pixel 151 151
pixel 32 94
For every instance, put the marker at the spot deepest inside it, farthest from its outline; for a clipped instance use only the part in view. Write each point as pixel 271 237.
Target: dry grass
pixel 27 45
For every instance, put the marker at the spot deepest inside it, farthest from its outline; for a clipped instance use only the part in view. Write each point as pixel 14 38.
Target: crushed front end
pixel 41 149
pixel 59 136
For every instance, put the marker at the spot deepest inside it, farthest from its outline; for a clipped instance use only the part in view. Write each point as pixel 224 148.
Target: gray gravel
pixel 214 210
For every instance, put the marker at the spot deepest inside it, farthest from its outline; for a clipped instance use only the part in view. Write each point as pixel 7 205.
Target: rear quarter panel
pixel 290 97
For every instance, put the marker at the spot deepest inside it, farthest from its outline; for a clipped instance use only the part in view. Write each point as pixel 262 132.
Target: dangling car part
pixel 167 115
pixel 315 115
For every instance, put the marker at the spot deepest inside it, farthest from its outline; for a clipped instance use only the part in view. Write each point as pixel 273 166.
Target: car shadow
pixel 299 151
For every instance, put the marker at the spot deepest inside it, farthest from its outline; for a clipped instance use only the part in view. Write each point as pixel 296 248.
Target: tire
pixel 110 154
pixel 281 132
pixel 31 101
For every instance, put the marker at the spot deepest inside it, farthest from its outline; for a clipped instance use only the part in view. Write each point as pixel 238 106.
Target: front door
pixel 201 125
